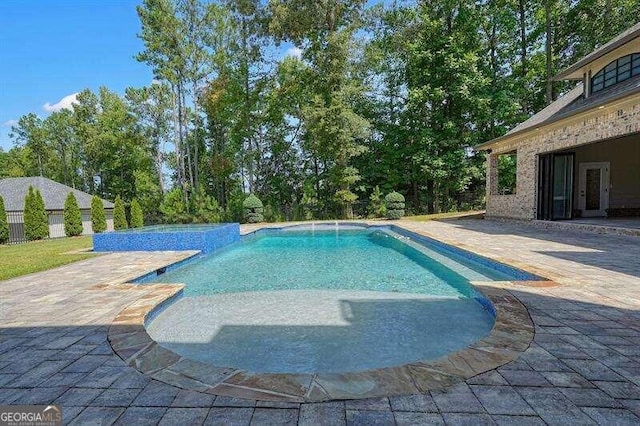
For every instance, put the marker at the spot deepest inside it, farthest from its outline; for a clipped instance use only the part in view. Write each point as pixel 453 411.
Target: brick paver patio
pixel 583 366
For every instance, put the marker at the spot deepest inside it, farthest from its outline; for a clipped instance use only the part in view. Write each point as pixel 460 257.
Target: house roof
pixel 570 104
pixel 14 190
pixel 574 102
pixel 620 40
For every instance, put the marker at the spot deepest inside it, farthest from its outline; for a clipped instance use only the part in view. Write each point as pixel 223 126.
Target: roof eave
pixel 487 145
pixel 575 76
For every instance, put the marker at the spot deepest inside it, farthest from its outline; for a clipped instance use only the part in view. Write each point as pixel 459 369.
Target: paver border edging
pixel 511 335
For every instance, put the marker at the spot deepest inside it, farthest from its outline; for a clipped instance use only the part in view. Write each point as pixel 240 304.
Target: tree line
pixel 371 100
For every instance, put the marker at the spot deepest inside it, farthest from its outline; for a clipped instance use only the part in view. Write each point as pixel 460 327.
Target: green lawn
pixel 21 259
pixel 453 215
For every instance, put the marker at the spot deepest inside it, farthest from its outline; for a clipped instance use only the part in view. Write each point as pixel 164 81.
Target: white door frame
pixel 604 167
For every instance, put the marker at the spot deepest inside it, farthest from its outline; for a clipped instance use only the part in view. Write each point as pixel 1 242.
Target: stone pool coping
pixel 511 335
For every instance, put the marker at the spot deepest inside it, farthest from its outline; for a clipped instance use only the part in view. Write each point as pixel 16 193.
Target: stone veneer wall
pixel 617 119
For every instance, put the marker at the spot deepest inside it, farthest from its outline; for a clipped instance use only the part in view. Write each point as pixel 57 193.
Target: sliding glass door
pixel 555 186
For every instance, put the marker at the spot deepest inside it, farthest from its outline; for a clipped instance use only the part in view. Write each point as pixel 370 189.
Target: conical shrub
pixel 72 217
pixel 41 215
pixel 98 218
pixel 36 222
pixel 28 215
pixel 4 224
pixel 137 218
pixel 119 215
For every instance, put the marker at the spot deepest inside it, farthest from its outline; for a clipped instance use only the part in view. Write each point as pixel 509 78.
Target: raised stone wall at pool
pixel 204 238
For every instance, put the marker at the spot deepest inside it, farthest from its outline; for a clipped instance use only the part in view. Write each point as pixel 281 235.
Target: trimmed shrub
pixel 395 205
pixel 137 218
pixel 119 215
pixel 98 217
pixel 36 221
pixel 4 224
pixel 72 217
pixel 253 209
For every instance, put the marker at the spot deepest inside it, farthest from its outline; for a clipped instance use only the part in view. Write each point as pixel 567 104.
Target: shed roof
pixel 14 191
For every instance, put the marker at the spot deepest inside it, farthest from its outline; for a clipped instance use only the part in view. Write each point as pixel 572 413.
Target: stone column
pixel 492 174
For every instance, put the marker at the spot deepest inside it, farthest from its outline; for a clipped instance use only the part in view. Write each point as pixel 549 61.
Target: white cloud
pixel 10 123
pixel 295 52
pixel 64 103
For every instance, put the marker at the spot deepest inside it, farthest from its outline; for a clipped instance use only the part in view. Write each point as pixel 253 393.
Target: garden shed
pixel 14 191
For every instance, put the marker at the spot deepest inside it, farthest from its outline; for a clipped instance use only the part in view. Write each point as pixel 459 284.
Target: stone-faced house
pixel 580 156
pixel 54 194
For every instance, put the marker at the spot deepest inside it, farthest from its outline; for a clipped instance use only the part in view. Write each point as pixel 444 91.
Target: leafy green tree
pixel 393 95
pixel 118 148
pixel 64 143
pixel 98 216
pixel 3 163
pixel 17 163
pixel 334 130
pixel 205 208
pixel 174 208
pixel 173 34
pixel 4 223
pixel 30 132
pixel 137 218
pixel 72 217
pixel 119 215
pixel 152 108
pixel 447 93
pixel 234 211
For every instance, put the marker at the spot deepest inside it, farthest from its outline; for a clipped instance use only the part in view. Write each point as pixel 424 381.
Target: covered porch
pixel 595 184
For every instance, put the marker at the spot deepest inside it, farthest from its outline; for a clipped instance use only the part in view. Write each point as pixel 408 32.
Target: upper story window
pixel 619 70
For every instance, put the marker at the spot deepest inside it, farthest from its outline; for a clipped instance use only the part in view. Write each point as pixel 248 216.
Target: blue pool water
pixel 366 259
pixel 325 300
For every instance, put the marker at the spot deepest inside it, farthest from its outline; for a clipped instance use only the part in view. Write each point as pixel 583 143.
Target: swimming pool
pixel 325 300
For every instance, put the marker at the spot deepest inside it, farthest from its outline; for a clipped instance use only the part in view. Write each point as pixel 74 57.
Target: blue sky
pixel 52 49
